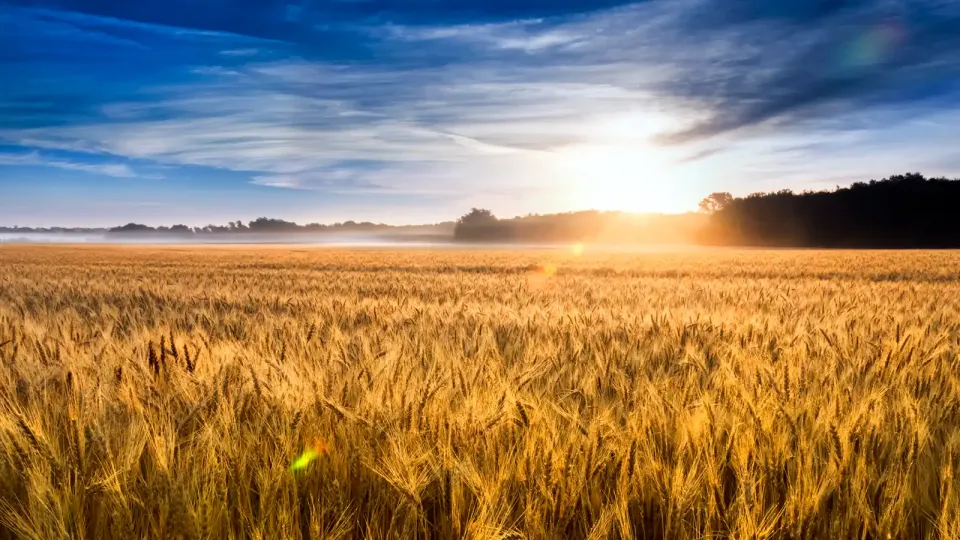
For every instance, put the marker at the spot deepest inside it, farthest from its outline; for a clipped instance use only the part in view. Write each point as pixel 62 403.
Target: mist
pixel 331 239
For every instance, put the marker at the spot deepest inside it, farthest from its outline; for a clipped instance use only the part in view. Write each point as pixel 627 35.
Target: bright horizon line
pixel 331 223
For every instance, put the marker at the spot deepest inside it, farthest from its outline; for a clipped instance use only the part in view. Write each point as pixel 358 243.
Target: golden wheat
pixel 165 392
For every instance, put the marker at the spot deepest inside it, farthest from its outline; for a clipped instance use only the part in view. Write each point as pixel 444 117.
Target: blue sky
pixel 207 111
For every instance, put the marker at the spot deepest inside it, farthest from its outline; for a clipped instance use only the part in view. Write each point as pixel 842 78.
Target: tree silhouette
pixel 478 224
pixel 902 211
pixel 715 201
pixel 477 216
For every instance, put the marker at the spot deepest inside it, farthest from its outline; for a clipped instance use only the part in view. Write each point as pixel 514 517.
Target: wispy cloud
pixel 526 35
pixel 240 52
pixel 79 19
pixel 697 156
pixel 117 170
pixel 280 181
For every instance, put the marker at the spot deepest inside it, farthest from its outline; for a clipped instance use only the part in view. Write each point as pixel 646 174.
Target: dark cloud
pixel 712 15
pixel 781 62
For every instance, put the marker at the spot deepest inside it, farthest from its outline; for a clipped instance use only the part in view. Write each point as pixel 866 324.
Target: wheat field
pixel 276 392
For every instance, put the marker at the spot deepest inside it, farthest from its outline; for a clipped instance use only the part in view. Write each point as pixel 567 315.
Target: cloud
pixel 800 64
pixel 481 146
pixel 277 18
pixel 337 177
pixel 116 170
pixel 283 118
pixel 528 35
pixel 285 181
pixel 170 23
pixel 701 155
pixel 240 52
pixel 726 66
pixel 491 102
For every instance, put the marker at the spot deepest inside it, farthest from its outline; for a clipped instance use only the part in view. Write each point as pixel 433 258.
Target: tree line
pixel 273 226
pixel 902 211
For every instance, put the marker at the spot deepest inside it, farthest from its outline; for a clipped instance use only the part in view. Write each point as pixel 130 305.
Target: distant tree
pixel 477 216
pixel 478 224
pixel 132 228
pixel 273 225
pixel 715 202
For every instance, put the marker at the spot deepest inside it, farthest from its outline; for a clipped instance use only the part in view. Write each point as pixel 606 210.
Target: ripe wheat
pixel 165 392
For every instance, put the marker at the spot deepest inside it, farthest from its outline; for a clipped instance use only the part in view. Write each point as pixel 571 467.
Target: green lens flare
pixel 304 460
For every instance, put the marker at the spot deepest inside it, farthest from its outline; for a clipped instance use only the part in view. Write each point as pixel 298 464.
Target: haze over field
pixel 902 211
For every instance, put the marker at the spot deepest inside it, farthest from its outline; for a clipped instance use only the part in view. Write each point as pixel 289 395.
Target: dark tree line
pixel 902 211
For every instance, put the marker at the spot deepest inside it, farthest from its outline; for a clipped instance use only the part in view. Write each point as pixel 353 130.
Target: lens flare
pixel 540 276
pixel 577 249
pixel 873 46
pixel 319 448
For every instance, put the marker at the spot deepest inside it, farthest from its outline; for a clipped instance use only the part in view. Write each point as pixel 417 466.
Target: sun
pixel 626 178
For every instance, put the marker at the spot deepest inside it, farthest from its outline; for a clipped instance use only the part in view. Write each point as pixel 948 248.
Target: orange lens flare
pixel 540 276
pixel 319 448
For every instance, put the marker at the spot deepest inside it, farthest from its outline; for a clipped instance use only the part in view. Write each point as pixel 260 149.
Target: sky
pixel 208 111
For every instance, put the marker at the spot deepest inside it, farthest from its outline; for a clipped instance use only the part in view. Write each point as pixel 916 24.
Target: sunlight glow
pixel 634 178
